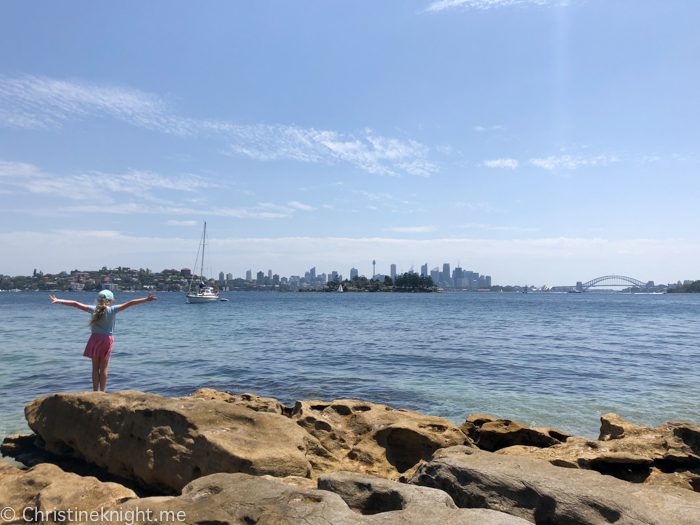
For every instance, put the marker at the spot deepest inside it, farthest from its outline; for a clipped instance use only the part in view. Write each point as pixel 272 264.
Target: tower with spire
pixel 374 268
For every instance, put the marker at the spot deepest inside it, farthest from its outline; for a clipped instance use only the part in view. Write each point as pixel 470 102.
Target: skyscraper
pixel 484 281
pixel 312 273
pixel 435 275
pixel 458 278
pixel 424 270
pixel 249 275
pixel 374 268
pixel 269 274
pixel 221 277
pixel 473 279
pixel 261 277
pixel 393 271
pixel 446 276
pixel 353 273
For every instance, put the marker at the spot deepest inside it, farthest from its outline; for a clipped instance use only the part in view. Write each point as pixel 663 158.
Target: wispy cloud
pixel 500 228
pixel 568 162
pixel 300 206
pixel 39 102
pixel 105 191
pixel 376 196
pixel 95 185
pixel 441 5
pixel 411 229
pixel 497 127
pixel 418 167
pixel 365 149
pixel 252 212
pixel 479 206
pixel 501 163
pixel 181 223
pixel 389 201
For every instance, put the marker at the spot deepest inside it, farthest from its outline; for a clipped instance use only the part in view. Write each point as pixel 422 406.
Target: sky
pixel 536 141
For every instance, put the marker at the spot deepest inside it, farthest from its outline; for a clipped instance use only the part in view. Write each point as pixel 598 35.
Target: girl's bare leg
pixel 95 373
pixel 103 373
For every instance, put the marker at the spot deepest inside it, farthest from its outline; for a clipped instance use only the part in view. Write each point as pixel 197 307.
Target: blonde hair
pixel 102 305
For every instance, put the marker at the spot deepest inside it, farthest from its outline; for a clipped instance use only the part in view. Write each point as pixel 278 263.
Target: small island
pixel 406 283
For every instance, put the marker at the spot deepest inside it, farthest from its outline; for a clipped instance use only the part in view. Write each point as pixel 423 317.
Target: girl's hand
pixel 53 299
pixel 151 297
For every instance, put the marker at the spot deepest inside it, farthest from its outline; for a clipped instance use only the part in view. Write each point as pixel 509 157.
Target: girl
pixel 99 346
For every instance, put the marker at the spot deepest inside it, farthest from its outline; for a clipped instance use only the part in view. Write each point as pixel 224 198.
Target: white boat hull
pixel 202 298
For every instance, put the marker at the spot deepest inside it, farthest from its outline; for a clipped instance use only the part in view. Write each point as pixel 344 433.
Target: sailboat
pixel 203 293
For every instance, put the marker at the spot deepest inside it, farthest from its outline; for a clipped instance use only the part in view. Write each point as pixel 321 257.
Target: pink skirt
pixel 99 346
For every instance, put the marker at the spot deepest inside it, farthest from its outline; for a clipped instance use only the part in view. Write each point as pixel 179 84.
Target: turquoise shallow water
pixel 559 360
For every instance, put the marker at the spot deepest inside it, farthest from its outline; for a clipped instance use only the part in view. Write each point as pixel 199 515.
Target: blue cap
pixel 107 295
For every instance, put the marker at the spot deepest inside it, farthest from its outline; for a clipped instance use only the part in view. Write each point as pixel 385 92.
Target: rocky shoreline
pixel 217 458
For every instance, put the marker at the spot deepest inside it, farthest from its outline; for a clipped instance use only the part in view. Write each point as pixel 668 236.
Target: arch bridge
pixel 612 280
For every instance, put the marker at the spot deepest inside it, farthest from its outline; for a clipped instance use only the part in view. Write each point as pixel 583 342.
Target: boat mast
pixel 204 247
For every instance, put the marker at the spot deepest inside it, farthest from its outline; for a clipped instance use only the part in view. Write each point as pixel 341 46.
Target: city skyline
pixel 171 279
pixel 385 269
pixel 547 141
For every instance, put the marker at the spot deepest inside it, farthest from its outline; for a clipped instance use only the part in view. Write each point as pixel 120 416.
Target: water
pixel 559 360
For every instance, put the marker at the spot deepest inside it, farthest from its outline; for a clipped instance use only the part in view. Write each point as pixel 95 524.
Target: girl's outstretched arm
pixel 74 304
pixel 148 299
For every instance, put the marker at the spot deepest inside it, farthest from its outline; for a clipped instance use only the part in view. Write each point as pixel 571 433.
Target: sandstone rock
pixel 295 481
pixel 613 426
pixel 472 425
pixel 257 403
pixel 166 443
pixel 518 450
pixel 625 450
pixel 494 434
pixel 685 479
pixel 47 488
pixel 370 495
pixel 8 470
pixel 545 494
pixel 661 479
pixel 224 499
pixel 28 449
pixel 22 448
pixel 376 438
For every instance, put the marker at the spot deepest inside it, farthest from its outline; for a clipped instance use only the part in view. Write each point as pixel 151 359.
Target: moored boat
pixel 204 293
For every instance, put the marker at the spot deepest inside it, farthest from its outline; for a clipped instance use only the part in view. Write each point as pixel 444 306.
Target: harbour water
pixel 558 360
